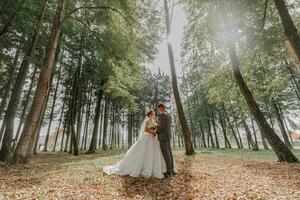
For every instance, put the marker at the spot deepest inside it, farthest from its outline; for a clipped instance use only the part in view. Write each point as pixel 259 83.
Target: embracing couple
pixel 151 154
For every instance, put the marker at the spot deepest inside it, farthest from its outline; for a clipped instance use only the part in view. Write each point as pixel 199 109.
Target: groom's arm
pixel 161 123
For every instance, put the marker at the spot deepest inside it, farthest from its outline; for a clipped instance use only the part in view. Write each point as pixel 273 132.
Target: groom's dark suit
pixel 164 137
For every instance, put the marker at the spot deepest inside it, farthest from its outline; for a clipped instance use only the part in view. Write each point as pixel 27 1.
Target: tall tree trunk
pixel 215 130
pixel 223 126
pixel 254 132
pixel 105 125
pixel 25 106
pixel 209 126
pixel 202 135
pixel 74 104
pixel 130 125
pixel 5 152
pixel 53 106
pixel 281 126
pixel 59 124
pixel 189 150
pixel 238 132
pixel 101 125
pixel 93 145
pixel 87 118
pixel 7 87
pixel 231 127
pixel 63 136
pixel 290 29
pixel 253 146
pixel 24 150
pixel 113 135
pixel 282 151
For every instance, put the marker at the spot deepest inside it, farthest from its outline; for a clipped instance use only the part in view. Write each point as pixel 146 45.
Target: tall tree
pixel 189 150
pixel 24 150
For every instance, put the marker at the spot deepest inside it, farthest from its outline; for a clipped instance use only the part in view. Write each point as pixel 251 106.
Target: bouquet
pixel 153 125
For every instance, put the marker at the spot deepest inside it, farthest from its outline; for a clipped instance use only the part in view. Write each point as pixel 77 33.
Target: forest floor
pixel 210 174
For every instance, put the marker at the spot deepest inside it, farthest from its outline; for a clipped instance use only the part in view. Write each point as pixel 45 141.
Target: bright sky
pixel 177 32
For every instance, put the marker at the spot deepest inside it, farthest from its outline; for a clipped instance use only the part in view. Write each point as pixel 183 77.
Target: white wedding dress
pixel 144 158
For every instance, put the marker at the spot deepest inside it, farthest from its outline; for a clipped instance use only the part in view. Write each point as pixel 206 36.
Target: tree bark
pixel 290 29
pixel 105 125
pixel 130 125
pixel 93 144
pixel 189 150
pixel 24 150
pixel 27 98
pixel 53 105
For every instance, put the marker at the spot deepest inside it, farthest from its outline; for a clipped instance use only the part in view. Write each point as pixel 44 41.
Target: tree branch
pixel 107 51
pixel 265 15
pixel 92 8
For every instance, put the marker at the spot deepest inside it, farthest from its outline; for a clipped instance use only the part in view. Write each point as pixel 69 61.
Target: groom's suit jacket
pixel 164 129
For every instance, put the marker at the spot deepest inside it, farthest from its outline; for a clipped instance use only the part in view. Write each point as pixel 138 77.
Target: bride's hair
pixel 149 112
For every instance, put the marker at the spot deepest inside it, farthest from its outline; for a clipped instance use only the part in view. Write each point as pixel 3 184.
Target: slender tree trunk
pixel 231 127
pixel 130 121
pixel 209 126
pixel 59 124
pixel 202 135
pixel 281 126
pixel 93 145
pixel 290 29
pixel 10 81
pixel 282 151
pixel 74 104
pixel 254 132
pixel 24 150
pixel 79 122
pixel 189 150
pixel 215 131
pixel 6 148
pixel 113 135
pixel 87 118
pixel 68 136
pixel 253 146
pixel 238 132
pixel 226 141
pixel 105 125
pixel 52 107
pixel 101 125
pixel 63 136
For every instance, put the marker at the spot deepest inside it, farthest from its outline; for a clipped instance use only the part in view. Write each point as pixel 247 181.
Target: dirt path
pixel 202 176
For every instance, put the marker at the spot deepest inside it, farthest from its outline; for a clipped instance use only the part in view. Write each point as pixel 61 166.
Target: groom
pixel 164 137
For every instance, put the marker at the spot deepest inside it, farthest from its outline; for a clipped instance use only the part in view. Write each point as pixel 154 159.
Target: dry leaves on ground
pixel 203 176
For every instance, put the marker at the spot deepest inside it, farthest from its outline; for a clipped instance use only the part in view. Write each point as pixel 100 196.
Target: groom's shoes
pixel 167 174
pixel 173 173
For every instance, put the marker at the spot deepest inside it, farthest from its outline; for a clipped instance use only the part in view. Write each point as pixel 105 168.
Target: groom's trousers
pixel 167 154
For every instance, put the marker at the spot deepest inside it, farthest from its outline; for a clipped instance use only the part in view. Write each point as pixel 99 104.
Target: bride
pixel 144 157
